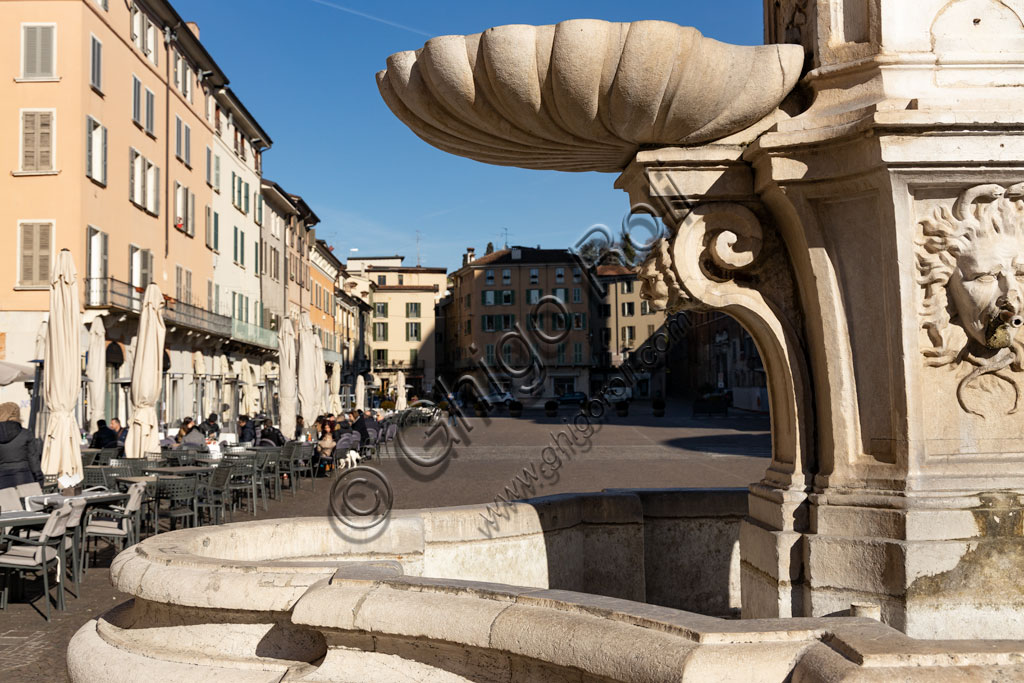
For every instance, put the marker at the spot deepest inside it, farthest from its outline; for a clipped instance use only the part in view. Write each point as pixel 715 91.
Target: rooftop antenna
pixel 505 233
pixel 417 248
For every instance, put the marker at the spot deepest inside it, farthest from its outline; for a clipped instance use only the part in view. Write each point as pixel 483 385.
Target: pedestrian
pixel 19 450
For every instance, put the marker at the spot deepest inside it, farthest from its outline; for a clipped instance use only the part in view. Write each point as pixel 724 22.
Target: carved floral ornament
pixel 970 262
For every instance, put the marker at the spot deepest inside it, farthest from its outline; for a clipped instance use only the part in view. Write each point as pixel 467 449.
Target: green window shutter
pixel 512 296
pixel 235 246
pixel 483 298
pixel 216 231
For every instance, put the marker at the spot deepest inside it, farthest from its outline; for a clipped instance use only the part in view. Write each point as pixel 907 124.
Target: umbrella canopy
pixel 249 403
pixel 321 374
pixel 335 403
pixel 143 436
pixel 41 339
pixel 401 402
pixel 286 380
pixel 310 389
pixel 96 370
pixel 360 393
pixel 15 372
pixel 62 375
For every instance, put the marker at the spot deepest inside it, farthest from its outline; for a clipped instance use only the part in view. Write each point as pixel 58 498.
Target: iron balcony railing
pixel 398 365
pixel 253 334
pixel 110 293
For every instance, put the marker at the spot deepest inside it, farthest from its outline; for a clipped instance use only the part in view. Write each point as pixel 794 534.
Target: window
pixel 558 321
pixel 382 280
pixel 489 354
pixel 487 323
pixel 627 308
pixel 183 284
pixel 209 166
pixel 506 276
pixel 177 137
pixel 559 274
pixel 532 296
pixel 185 210
pixel 650 331
pixel 95 266
pixel 469 301
pixel 469 327
pixel 534 276
pixel 380 310
pixel 35 254
pixel 577 295
pixel 212 229
pixel 414 356
pixel 96 70
pixel 507 321
pixel 579 321
pixel 628 335
pixel 259 211
pixel 37 132
pixel 209 295
pixel 140 267
pixel 577 352
pixel 560 352
pixel 627 287
pixel 401 279
pixel 136 100
pixel 38 51
pixel 95 150
pixel 489 275
pixel 380 332
pixel 150 113
pixel 412 310
pixel 577 274
pixel 488 297
pixel 412 332
pixel 238 248
pixel 645 307
pixel 380 356
pixel 561 293
pixel 507 297
pixel 103 4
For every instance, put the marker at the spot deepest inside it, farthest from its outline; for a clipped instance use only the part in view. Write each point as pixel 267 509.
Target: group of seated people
pixel 328 429
pixel 108 437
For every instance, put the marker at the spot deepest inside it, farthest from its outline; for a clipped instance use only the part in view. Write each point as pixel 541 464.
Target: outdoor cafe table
pixel 90 497
pixel 22 518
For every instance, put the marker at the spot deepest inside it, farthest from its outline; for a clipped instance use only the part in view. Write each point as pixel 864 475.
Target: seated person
pixel 105 437
pixel 246 430
pixel 210 428
pixel 194 439
pixel 20 451
pixel 122 432
pixel 271 435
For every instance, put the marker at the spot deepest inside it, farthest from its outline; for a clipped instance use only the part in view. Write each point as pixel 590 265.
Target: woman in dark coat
pixel 19 450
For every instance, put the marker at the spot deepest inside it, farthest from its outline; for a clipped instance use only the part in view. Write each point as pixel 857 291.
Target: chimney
pixel 468 257
pixel 517 254
pixel 194 27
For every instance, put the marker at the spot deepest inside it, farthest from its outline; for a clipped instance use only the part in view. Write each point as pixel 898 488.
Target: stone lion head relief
pixel 970 263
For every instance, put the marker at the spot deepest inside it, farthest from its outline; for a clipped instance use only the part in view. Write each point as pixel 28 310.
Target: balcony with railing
pixel 396 365
pixel 111 293
pixel 332 357
pixel 253 334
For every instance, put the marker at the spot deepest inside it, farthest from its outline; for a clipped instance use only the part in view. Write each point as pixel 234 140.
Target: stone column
pixel 873 245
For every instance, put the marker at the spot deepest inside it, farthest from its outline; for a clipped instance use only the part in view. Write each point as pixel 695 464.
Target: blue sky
pixel 305 69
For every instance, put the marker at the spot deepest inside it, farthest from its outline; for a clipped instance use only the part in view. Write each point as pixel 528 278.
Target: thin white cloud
pixel 370 17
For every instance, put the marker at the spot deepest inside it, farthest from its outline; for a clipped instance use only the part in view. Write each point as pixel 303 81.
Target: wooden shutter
pixel 209 166
pixel 103 256
pixel 246 195
pixel 131 173
pixel 208 227
pixel 97 64
pixel 42 267
pixel 44 147
pixel 150 110
pixel 103 141
pixel 88 146
pixel 156 190
pixel 235 246
pixel 191 212
pixel 136 100
pixel 29 140
pixel 188 145
pixel 216 230
pixel 146 258
pixel 28 253
pixel 216 172
pixel 177 137
pixel 177 282
pixel 188 286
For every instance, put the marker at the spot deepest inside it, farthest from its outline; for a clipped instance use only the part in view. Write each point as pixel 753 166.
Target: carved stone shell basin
pixel 583 95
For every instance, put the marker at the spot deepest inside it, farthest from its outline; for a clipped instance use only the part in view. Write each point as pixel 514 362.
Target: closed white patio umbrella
pixel 62 375
pixel 199 387
pixel 321 374
pixel 360 393
pixel 248 405
pixel 401 402
pixel 310 389
pixel 335 402
pixel 287 378
pixel 96 371
pixel 143 434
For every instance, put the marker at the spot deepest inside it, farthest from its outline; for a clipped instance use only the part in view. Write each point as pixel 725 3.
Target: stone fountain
pixel 853 194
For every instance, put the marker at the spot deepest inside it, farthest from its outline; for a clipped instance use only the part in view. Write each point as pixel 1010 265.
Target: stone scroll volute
pixel 970 263
pixel 714 260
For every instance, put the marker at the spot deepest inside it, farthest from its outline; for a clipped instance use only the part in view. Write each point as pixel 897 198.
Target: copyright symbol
pixel 361 497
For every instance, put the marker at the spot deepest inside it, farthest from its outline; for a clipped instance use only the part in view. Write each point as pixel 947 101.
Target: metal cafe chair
pixel 180 495
pixel 114 523
pixel 38 554
pixel 215 494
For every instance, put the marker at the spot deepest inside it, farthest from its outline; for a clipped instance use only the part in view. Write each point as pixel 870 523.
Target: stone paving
pixel 634 452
